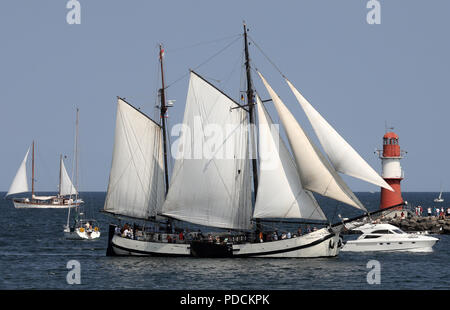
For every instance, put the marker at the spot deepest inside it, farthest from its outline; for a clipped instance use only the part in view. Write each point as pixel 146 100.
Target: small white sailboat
pixel 216 191
pixel 61 201
pixel 439 199
pixel 388 238
pixel 81 228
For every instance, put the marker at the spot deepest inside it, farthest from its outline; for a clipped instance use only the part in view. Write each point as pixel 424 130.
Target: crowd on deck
pixel 136 232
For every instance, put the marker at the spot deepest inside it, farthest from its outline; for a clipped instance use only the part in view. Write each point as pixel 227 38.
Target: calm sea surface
pixel 34 255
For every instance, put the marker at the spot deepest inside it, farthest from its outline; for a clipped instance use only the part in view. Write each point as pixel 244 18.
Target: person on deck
pixel 275 236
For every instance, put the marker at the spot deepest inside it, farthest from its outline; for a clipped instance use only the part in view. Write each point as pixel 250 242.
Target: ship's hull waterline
pixel 31 205
pixel 320 243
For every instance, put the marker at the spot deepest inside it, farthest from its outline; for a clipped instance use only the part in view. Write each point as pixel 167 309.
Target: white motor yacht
pixel 387 237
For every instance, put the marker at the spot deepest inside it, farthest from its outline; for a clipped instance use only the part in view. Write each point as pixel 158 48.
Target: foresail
pixel 136 181
pixel 66 186
pixel 341 154
pixel 280 192
pixel 315 172
pixel 210 182
pixel 20 183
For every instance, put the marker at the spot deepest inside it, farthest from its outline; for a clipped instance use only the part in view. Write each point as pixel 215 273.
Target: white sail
pixel 66 186
pixel 315 172
pixel 341 154
pixel 210 182
pixel 136 181
pixel 280 192
pixel 20 183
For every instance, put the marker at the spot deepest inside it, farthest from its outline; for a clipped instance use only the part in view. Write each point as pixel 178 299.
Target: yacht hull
pixel 77 235
pixel 317 244
pixel 42 205
pixel 421 244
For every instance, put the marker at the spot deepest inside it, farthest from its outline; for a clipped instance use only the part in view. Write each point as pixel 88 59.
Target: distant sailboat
pixel 439 199
pixel 216 192
pixel 81 228
pixel 62 200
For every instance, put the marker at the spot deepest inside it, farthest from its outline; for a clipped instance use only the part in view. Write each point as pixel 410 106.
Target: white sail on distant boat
pixel 82 228
pixel 439 199
pixel 20 185
pixel 216 191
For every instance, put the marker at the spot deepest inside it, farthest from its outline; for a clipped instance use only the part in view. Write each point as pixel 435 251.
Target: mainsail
pixel 66 187
pixel 136 180
pixel 210 180
pixel 341 154
pixel 20 183
pixel 315 172
pixel 280 192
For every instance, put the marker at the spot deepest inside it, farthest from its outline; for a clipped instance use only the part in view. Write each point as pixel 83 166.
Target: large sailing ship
pixel 224 185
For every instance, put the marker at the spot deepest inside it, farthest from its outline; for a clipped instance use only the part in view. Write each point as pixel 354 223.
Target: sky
pixel 361 77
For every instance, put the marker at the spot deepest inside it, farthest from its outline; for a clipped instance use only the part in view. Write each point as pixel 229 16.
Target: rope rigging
pixel 203 63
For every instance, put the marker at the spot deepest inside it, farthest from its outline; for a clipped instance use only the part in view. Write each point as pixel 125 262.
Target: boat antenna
pixel 250 103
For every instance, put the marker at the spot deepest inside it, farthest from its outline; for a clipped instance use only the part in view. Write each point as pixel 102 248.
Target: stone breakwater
pixel 431 224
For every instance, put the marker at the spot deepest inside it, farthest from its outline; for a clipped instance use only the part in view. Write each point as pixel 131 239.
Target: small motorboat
pixel 83 229
pixel 387 237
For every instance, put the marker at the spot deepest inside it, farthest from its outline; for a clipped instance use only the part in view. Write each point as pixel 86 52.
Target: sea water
pixel 35 255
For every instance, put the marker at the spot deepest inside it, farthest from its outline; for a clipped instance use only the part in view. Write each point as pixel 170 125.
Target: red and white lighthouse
pixel 392 172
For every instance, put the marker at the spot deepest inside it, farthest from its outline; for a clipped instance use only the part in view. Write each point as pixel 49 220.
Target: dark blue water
pixel 34 254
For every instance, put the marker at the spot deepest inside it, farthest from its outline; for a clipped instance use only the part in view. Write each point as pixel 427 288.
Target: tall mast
pixel 250 103
pixel 60 172
pixel 163 109
pixel 74 168
pixel 76 157
pixel 32 173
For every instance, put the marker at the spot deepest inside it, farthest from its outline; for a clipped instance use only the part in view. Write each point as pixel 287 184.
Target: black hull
pixel 109 249
pixel 211 250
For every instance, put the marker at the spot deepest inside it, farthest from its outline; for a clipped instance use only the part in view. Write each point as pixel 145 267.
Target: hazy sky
pixel 358 76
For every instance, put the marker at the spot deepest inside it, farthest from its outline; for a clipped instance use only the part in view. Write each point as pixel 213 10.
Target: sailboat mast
pixel 250 103
pixel 32 173
pixel 163 109
pixel 76 157
pixel 60 172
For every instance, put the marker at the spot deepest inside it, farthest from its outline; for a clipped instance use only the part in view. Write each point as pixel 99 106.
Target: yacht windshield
pixel 398 231
pixel 383 231
pixel 371 237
